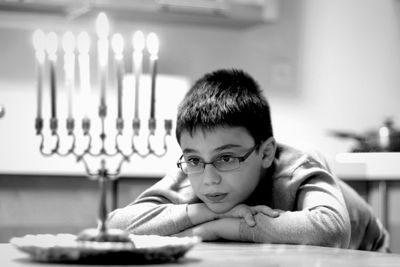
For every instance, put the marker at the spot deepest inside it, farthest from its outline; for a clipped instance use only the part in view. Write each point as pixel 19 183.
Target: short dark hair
pixel 226 97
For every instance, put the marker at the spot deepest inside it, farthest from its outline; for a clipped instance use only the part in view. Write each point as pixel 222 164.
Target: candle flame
pixel 152 44
pixel 102 26
pixel 39 41
pixel 138 41
pixel 117 44
pixel 83 43
pixel 68 42
pixel 51 44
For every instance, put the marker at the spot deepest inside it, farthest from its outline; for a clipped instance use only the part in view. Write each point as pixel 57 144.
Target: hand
pixel 248 212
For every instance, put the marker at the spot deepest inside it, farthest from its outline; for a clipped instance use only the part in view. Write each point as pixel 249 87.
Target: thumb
pixel 250 219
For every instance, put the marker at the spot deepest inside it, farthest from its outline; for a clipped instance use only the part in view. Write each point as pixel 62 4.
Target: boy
pixel 235 182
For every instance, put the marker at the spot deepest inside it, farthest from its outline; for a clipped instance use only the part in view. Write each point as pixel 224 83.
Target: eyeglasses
pixel 223 163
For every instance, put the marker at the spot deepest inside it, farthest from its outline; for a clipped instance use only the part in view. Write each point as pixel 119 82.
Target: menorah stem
pixel 102 115
pixel 102 233
pixel 103 200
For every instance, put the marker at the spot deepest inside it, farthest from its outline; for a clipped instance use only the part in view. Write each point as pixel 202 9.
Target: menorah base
pixel 109 235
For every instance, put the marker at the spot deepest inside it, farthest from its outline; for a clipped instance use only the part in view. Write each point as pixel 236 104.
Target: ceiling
pixel 220 13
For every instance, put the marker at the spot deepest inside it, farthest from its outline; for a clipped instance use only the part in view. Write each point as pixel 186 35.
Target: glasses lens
pixel 190 168
pixel 227 164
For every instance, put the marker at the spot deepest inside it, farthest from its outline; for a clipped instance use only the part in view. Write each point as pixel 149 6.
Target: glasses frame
pixel 241 159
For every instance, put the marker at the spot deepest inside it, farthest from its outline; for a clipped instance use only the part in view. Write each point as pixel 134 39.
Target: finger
pixel 267 211
pixel 250 220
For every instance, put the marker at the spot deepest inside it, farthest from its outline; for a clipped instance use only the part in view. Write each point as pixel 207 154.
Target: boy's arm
pixel 200 213
pixel 161 209
pixel 150 218
pixel 321 218
pixel 225 228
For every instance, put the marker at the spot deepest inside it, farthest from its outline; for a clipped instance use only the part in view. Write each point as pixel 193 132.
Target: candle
pixel 102 28
pixel 39 46
pixel 118 47
pixel 138 45
pixel 84 70
pixel 68 43
pixel 51 49
pixel 153 47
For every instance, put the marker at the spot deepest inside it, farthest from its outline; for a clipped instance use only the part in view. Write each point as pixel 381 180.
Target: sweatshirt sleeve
pixel 320 217
pixel 160 210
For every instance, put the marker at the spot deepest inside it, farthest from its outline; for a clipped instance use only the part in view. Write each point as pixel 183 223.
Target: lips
pixel 215 197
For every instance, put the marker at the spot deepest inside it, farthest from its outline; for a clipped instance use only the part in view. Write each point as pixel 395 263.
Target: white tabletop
pixel 367 166
pixel 246 254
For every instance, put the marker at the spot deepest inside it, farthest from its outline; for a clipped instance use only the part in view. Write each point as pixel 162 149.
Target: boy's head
pixel 225 98
pixel 224 130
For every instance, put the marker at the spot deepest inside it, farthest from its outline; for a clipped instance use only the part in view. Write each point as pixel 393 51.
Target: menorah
pixel 46 46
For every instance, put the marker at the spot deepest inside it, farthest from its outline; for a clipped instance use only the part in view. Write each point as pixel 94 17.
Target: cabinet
pixel 379 171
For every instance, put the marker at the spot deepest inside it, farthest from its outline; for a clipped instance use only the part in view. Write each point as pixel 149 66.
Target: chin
pixel 220 207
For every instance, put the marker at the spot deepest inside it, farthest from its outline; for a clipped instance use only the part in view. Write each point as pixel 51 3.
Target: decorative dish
pixel 65 248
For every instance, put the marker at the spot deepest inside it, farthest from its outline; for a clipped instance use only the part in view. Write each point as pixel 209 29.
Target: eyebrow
pixel 227 146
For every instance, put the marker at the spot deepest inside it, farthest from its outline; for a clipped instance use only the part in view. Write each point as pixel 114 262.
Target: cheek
pixel 195 183
pixel 243 187
pixel 245 183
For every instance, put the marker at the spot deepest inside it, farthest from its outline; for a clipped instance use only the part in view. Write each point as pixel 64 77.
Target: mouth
pixel 215 197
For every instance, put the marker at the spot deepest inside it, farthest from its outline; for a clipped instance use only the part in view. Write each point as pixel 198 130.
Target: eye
pixel 193 161
pixel 226 159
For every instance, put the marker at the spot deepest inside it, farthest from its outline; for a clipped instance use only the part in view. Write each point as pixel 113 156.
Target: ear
pixel 267 150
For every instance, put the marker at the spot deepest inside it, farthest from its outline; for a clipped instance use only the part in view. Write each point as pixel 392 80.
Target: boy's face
pixel 222 190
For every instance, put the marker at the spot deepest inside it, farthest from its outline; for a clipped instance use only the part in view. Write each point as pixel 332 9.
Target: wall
pixel 350 66
pixel 350 77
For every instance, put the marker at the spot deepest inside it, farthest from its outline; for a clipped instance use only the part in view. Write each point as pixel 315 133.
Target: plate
pixel 65 248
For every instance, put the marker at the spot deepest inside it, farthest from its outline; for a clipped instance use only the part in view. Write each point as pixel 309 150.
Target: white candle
pixel 84 70
pixel 51 49
pixel 103 29
pixel 153 47
pixel 138 43
pixel 39 46
pixel 118 47
pixel 68 43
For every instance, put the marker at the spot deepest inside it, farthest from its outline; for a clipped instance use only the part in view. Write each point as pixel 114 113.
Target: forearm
pixel 161 219
pixel 150 218
pixel 226 228
pixel 229 228
pixel 212 226
pixel 321 226
pixel 160 209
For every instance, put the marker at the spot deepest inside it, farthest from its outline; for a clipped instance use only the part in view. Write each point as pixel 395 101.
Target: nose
pixel 211 175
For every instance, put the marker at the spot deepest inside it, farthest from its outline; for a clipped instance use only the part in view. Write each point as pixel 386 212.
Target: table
pixel 245 254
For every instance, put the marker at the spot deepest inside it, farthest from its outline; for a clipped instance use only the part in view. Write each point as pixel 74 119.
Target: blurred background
pixel 324 66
